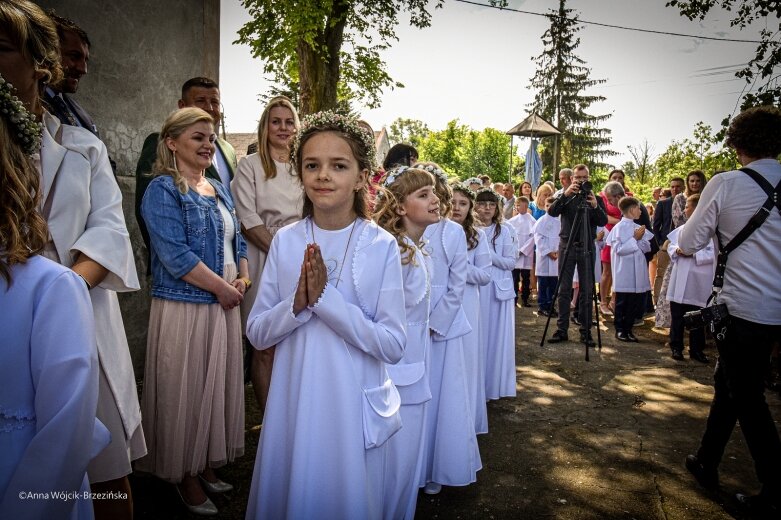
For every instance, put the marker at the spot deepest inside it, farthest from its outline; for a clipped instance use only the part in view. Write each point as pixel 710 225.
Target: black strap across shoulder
pixel 773 199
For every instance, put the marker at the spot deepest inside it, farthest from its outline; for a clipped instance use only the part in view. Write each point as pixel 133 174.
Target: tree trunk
pixel 319 70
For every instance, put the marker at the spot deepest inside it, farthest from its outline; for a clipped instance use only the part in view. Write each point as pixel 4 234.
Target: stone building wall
pixel 142 51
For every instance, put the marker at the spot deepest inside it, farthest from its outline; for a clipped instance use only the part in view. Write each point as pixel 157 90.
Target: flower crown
pixel 330 120
pixel 23 124
pixel 432 170
pixel 463 187
pixel 490 192
pixel 473 180
pixel 393 174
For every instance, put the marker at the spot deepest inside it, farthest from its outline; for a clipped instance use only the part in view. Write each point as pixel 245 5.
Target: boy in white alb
pixel 546 240
pixel 629 242
pixel 690 285
pixel 523 223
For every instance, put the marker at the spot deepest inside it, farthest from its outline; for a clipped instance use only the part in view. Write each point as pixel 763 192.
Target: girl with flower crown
pixel 406 205
pixel 477 276
pixel 82 205
pixel 452 456
pixel 48 359
pixel 497 302
pixel 332 301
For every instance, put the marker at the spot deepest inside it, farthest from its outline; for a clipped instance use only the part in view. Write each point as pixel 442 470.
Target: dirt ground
pixel 582 440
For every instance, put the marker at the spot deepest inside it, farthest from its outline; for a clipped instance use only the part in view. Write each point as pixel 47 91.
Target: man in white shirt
pixel 565 178
pixel 752 293
pixel 508 191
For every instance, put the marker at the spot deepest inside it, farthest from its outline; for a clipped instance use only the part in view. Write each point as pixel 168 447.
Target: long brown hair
pixel 488 195
pixel 472 236
pixel 345 128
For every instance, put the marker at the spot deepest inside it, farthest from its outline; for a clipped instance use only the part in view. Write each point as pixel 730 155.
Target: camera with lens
pixel 585 189
pixel 706 317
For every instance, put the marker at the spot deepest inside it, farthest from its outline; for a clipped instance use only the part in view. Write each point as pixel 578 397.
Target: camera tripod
pixel 582 226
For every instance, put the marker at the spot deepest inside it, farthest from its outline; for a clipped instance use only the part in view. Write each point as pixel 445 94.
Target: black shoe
pixel 575 320
pixel 705 476
pixel 760 506
pixel 677 355
pixel 621 336
pixel 586 339
pixel 543 312
pixel 554 313
pixel 526 304
pixel 698 355
pixel 558 337
pixel 632 337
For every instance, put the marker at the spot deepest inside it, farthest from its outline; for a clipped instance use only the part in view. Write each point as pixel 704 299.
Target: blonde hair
pixel 442 189
pixel 387 204
pixel 263 150
pixel 174 126
pixel 543 192
pixel 23 231
pixel 35 35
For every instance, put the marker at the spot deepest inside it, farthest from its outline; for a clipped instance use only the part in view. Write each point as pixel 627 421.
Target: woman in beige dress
pixel 268 196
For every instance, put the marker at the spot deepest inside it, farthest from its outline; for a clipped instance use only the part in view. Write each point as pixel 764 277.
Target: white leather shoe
pixel 215 487
pixel 206 509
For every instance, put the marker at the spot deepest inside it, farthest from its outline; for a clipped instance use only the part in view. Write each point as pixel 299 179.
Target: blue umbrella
pixel 533 165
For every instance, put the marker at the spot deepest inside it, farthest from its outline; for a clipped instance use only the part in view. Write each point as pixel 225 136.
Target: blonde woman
pixel 268 196
pixel 193 398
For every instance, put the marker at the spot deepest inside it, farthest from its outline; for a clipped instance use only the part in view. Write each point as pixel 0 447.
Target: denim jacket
pixel 184 230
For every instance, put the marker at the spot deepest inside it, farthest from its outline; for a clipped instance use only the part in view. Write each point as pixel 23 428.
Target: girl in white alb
pixel 452 456
pixel 477 278
pixel 332 301
pixel 496 303
pixel 405 205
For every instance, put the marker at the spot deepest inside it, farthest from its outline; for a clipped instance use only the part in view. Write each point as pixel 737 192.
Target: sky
pixel 474 64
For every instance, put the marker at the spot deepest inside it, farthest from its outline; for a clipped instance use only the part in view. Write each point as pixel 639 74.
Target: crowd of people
pixel 372 307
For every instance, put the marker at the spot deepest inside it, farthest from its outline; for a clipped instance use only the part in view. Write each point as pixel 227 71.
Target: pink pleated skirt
pixel 193 399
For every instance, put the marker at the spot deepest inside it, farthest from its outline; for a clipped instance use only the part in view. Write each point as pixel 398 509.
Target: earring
pixel 175 167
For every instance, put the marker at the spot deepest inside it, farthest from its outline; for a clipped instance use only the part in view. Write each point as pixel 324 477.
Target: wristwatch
pixel 247 282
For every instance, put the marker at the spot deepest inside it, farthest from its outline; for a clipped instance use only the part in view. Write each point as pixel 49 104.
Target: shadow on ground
pixel 582 440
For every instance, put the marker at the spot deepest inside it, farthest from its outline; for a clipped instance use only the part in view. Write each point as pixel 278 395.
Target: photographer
pixel 752 296
pixel 577 197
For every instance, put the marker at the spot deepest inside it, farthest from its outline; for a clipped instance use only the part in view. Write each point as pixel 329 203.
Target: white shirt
pixel 753 272
pixel 692 276
pixel 524 239
pixel 627 257
pixel 221 165
pixel 546 239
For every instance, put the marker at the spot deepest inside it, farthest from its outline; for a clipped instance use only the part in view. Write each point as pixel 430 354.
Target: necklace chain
pixel 346 247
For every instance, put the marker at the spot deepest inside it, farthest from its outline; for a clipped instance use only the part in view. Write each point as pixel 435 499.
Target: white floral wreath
pixel 24 127
pixel 433 170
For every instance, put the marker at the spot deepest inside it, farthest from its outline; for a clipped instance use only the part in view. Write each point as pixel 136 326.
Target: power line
pixel 636 29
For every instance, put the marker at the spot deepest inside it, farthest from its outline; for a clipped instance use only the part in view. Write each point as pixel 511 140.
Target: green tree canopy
pixel 561 82
pixel 334 45
pixel 411 131
pixel 465 152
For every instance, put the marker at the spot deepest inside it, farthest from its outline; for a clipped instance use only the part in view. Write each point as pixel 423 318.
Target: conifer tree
pixel 561 82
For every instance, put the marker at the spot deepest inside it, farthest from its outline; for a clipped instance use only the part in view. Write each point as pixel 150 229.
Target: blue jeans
pixel 545 287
